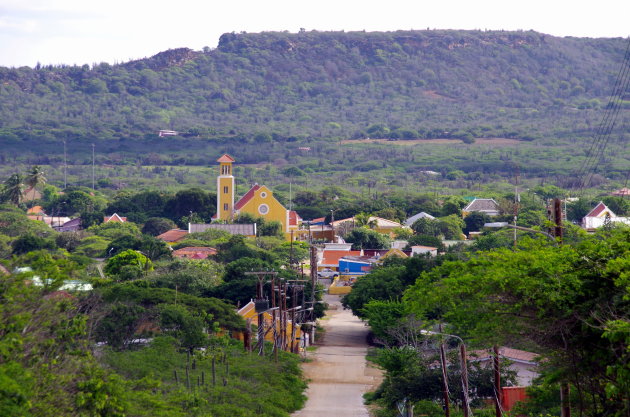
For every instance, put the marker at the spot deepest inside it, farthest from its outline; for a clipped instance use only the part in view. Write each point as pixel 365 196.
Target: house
pixel 524 363
pixel 73 225
pixel 247 229
pixel 248 312
pixel 258 201
pixel 353 266
pixel 422 215
pixel 114 218
pixel 36 210
pixel 422 250
pixel 330 258
pixel 173 236
pixel 53 221
pixel 482 205
pixel 194 252
pixel 600 215
pixel 381 225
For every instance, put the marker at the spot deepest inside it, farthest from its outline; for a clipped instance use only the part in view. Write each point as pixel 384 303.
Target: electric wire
pixel 596 150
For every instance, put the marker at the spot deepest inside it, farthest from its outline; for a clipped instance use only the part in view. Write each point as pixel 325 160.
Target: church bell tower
pixel 225 189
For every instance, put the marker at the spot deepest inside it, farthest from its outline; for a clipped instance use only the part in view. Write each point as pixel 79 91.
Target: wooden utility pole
pixel 497 382
pixel 565 400
pixel 313 286
pixel 447 409
pixel 262 305
pixel 462 352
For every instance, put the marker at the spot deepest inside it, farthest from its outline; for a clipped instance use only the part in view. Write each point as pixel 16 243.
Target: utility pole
pixel 497 382
pixel 93 167
pixel 313 286
pixel 65 166
pixel 447 409
pixel 262 306
pixel 517 200
pixel 565 391
pixel 462 352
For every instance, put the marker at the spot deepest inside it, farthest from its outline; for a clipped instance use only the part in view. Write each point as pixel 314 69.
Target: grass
pixel 166 381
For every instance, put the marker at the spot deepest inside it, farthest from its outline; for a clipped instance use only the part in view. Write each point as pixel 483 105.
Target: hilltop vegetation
pixel 271 86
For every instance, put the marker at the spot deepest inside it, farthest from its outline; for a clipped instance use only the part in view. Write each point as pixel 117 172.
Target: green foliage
pixel 157 225
pixel 12 190
pixel 474 221
pixel 363 238
pixel 128 263
pixel 28 243
pixel 115 230
pixel 559 298
pixel 195 277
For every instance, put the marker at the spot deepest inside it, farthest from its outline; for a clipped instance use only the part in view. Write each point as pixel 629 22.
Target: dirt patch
pixel 481 141
pixel 435 94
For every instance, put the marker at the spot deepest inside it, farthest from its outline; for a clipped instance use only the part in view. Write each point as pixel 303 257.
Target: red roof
pixel 331 257
pixel 194 252
pixel 173 235
pixel 597 210
pixel 245 199
pixel 294 218
pixel 226 158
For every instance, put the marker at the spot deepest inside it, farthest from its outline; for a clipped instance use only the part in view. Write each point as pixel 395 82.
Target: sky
pixel 114 31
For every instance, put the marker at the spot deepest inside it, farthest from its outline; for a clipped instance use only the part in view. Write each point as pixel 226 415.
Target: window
pixel 225 189
pixel 225 206
pixel 263 195
pixel 263 209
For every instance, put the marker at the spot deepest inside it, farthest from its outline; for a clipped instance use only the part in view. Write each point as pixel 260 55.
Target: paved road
pixel 338 373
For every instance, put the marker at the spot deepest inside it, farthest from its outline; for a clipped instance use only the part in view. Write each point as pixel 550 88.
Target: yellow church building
pixel 258 201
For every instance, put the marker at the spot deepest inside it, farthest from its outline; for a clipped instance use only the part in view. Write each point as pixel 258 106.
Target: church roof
pixel 226 158
pixel 600 209
pixel 248 196
pixel 294 218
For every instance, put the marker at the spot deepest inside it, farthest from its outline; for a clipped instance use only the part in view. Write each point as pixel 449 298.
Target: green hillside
pixel 405 84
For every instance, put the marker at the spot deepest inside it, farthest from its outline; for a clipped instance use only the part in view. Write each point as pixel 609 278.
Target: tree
pixel 157 225
pixel 475 221
pixel 425 226
pixel 564 300
pixel 363 238
pixel 365 220
pixel 451 227
pixel 453 206
pixel 29 242
pixel 13 189
pixel 35 177
pixel 130 262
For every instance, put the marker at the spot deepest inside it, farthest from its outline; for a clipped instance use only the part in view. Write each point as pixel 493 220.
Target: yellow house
pixel 248 312
pixel 380 225
pixel 258 201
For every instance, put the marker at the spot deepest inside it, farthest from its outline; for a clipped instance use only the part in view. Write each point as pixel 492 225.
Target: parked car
pixel 327 273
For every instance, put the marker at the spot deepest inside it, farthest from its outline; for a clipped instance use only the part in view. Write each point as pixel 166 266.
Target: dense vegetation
pixel 268 86
pixel 568 303
pixel 152 336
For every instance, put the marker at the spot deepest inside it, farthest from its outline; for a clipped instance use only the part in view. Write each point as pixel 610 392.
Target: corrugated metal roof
pixel 235 229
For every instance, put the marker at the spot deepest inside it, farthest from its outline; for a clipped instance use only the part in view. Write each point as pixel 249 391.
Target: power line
pixel 606 126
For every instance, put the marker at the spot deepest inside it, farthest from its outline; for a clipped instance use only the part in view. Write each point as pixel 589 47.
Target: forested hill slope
pixel 406 84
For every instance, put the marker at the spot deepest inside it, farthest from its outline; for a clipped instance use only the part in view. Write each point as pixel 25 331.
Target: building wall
pixel 274 210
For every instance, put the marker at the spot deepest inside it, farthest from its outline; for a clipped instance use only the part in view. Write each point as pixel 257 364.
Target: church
pixel 258 201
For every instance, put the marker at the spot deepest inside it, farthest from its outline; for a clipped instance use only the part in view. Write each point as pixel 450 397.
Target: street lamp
pixel 499 225
pixel 462 352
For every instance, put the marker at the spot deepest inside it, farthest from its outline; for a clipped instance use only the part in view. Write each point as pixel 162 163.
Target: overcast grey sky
pixel 92 31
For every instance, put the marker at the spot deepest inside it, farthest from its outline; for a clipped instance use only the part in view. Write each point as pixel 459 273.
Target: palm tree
pixel 13 189
pixel 34 178
pixel 365 220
